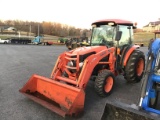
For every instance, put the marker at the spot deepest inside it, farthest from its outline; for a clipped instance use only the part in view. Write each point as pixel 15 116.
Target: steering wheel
pixel 105 42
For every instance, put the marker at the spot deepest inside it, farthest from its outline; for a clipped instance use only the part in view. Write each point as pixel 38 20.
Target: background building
pixel 152 26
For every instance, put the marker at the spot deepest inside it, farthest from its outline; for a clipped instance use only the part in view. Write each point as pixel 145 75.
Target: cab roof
pixel 116 21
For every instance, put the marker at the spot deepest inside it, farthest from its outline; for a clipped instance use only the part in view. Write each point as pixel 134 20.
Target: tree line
pixel 41 28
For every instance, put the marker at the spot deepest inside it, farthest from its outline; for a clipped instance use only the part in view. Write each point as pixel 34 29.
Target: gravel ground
pixel 19 62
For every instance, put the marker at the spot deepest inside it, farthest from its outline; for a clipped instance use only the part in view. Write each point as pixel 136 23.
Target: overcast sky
pixel 80 13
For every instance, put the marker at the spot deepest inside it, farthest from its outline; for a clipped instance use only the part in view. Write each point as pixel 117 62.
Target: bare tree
pixel 50 28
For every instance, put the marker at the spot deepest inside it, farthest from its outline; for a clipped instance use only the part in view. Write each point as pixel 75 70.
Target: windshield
pixel 104 34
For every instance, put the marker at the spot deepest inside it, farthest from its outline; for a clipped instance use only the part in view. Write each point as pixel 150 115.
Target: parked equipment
pixel 151 82
pixel 110 53
pixel 39 40
pixel 150 88
pixel 140 44
pixel 20 40
pixel 4 41
pixel 77 42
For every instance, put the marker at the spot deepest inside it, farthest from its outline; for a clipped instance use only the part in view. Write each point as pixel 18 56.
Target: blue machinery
pixel 150 90
pixel 151 80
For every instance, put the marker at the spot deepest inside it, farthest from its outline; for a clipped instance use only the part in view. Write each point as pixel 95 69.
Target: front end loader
pixel 110 53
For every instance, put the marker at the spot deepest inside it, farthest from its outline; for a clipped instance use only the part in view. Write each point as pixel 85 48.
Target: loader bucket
pixel 121 111
pixel 60 98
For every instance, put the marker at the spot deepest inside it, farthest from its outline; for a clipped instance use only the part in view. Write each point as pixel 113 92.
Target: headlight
pixel 70 63
pixel 73 64
pixel 80 64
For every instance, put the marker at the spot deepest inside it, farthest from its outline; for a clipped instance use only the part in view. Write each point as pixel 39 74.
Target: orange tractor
pixel 110 53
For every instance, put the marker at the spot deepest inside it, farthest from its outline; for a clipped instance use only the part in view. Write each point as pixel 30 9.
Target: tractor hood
pixel 85 50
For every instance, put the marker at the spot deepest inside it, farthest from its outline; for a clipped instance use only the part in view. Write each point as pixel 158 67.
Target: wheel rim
pixel 140 67
pixel 109 84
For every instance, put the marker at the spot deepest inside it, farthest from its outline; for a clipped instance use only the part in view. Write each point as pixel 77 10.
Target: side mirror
pixel 134 27
pixel 118 35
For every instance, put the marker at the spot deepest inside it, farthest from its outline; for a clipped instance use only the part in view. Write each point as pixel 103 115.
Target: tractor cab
pixel 112 33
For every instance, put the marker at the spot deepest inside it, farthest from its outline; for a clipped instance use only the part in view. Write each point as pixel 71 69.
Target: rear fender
pixel 128 53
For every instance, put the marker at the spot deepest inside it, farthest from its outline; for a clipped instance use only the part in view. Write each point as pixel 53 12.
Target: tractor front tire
pixel 104 83
pixel 135 67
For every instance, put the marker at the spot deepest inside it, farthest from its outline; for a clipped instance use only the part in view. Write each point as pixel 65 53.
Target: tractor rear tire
pixel 104 83
pixel 135 67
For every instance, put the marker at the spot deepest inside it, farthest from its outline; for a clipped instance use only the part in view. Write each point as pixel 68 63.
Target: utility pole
pixel 38 29
pixel 30 31
pixel 19 34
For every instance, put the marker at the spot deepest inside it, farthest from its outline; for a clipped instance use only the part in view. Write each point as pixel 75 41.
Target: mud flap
pixel 60 98
pixel 120 111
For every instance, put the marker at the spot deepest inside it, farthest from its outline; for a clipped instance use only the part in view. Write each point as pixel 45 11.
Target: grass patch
pixel 143 37
pixel 4 37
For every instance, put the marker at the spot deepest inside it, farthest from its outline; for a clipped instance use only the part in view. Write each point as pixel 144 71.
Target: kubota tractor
pixel 110 53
